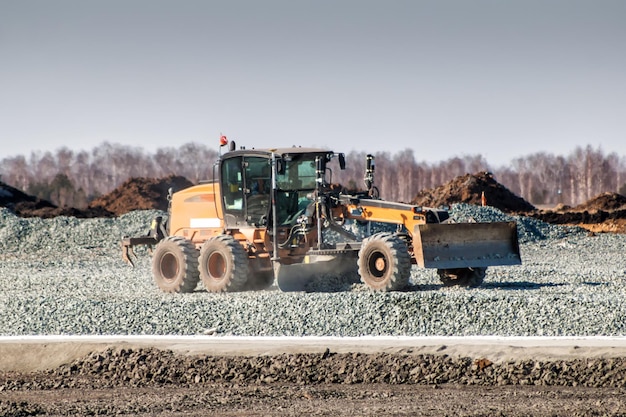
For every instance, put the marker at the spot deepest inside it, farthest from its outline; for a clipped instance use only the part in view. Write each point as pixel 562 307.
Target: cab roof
pixel 296 150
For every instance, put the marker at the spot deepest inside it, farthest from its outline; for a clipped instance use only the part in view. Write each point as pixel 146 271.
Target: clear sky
pixel 445 77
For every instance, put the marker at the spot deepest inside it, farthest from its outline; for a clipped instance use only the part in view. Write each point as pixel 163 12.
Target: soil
pixel 470 189
pixel 149 382
pixel 140 194
pixel 25 205
pixel 603 213
pixel 134 194
pixel 317 400
pixel 603 202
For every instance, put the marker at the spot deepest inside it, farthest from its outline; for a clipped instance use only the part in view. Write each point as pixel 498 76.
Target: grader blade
pixel 299 276
pixel 294 277
pixel 466 245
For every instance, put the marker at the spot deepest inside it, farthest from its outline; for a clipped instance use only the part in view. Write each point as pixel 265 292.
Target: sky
pixel 441 78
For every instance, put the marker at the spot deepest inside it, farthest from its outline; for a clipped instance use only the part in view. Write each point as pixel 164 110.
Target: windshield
pixel 299 174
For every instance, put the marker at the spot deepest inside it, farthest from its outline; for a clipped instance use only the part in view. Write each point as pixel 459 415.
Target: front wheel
pixel 175 265
pixel 384 262
pixel 463 277
pixel 223 264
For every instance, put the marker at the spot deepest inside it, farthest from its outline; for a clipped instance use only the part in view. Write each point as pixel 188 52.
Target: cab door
pixel 246 184
pixel 257 191
pixel 233 190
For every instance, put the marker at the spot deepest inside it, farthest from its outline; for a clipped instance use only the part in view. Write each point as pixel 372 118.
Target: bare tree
pixel 476 163
pixel 74 178
pixel 524 176
pixel 196 161
pixel 15 171
pixel 80 174
pixel 43 166
pixel 64 160
pixel 165 162
pixel 404 173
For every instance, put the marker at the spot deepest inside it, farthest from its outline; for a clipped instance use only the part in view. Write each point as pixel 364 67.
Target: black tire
pixel 384 263
pixel 175 265
pixel 223 264
pixel 462 277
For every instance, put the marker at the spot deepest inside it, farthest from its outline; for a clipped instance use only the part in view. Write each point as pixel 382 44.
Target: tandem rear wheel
pixel 175 265
pixel 223 264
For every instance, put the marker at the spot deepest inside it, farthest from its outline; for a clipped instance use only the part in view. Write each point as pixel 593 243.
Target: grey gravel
pixel 65 276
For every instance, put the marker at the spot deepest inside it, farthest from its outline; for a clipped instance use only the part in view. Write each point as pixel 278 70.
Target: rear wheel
pixel 223 264
pixel 175 265
pixel 384 262
pixel 463 277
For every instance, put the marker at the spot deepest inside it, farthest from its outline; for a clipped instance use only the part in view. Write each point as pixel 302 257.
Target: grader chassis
pixel 272 215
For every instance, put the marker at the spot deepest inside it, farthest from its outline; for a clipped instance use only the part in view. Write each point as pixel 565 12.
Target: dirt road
pixel 33 353
pixel 147 376
pixel 316 400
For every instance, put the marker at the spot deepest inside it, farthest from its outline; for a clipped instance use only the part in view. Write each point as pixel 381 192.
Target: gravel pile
pixel 66 276
pixel 528 228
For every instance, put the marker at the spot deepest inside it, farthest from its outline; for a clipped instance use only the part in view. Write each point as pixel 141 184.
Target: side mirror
pixel 342 161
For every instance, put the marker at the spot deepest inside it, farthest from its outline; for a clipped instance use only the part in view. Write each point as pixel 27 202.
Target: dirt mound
pixel 26 209
pixel 9 196
pixel 134 194
pixel 25 205
pixel 469 189
pixel 140 194
pixel 605 212
pixel 605 202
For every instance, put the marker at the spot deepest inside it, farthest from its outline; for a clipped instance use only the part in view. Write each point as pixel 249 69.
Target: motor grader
pixel 274 216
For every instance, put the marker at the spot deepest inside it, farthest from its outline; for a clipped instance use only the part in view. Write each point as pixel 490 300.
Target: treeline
pixel 69 178
pixel 540 178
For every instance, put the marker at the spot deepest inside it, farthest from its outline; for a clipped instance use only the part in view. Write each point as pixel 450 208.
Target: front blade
pixel 466 245
pixel 293 277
